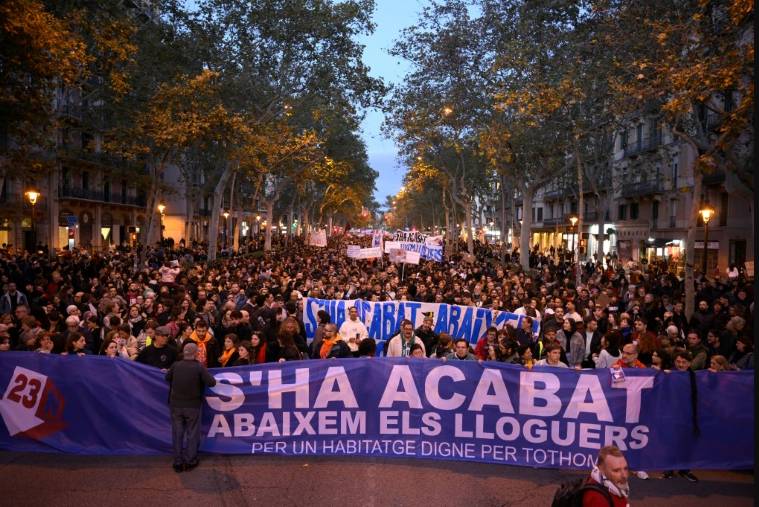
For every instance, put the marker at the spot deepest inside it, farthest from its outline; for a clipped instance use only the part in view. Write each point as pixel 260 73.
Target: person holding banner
pixel 353 331
pixel 683 361
pixel 427 333
pixel 330 345
pixel 461 352
pixel 489 340
pixel 553 357
pixel 400 344
pixel 187 380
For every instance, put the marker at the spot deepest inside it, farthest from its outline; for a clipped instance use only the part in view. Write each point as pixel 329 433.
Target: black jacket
pixel 162 357
pixel 187 380
pixel 339 349
pixel 430 338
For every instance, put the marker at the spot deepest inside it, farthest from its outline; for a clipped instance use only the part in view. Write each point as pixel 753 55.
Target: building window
pixel 639 136
pixel 123 191
pixel 674 173
pixel 729 102
pixel 673 213
pixel 540 214
pixel 703 116
pixel 737 254
pixel 622 212
pixel 654 134
pixel 655 212
pixel 85 180
pixel 623 139
pixel 634 211
pixel 87 141
pixel 107 191
pixel 723 208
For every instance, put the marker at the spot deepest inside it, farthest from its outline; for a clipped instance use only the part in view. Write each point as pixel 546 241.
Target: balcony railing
pixel 569 190
pixel 552 195
pixel 70 111
pixel 590 216
pixel 19 202
pixel 714 178
pixel 642 188
pixel 649 143
pixel 554 221
pixel 100 196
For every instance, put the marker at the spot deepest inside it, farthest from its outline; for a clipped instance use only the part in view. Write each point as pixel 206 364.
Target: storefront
pixel 67 227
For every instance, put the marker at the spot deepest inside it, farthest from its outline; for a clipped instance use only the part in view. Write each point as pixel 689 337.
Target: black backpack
pixel 570 493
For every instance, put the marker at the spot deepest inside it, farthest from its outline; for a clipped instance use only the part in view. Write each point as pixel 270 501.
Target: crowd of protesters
pixel 247 309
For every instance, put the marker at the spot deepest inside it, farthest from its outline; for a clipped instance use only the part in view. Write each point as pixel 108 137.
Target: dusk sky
pixel 390 17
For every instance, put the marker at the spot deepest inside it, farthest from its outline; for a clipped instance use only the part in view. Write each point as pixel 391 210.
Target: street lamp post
pixel 33 196
pixel 706 212
pixel 226 228
pixel 161 210
pixel 573 220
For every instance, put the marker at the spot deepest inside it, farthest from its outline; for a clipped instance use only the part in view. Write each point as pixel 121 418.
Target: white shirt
pixel 606 360
pixel 395 346
pixel 349 329
pixel 588 339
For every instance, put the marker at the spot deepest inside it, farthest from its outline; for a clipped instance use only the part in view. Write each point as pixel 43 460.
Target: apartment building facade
pixel 653 188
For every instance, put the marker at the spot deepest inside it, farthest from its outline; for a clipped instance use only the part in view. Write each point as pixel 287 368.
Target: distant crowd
pixel 247 309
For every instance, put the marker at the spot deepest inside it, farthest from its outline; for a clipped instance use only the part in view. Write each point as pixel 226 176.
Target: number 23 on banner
pixel 21 400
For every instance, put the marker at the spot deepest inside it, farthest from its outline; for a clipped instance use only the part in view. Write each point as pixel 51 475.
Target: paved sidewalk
pixel 43 480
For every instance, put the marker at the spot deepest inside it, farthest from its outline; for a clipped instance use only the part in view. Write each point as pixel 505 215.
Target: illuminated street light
pixel 161 210
pixel 33 195
pixel 226 222
pixel 447 111
pixel 706 212
pixel 573 220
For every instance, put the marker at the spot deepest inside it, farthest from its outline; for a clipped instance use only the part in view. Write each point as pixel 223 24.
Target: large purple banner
pixel 465 411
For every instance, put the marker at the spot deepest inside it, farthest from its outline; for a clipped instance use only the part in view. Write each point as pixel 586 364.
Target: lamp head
pixel 707 212
pixel 33 196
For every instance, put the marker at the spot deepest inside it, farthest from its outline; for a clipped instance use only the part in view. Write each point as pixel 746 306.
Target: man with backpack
pixel 608 480
pixel 606 486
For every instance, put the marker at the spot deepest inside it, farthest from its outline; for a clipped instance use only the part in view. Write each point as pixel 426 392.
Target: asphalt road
pixel 38 479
